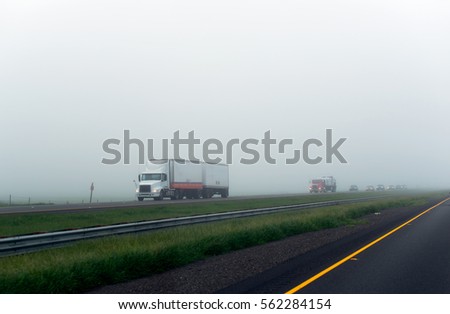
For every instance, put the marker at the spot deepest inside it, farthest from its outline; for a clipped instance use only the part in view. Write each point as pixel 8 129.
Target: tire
pixel 207 194
pixel 140 199
pixel 196 195
pixel 160 197
pixel 176 195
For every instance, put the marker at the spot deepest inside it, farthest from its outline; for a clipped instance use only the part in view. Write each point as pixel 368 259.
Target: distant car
pixel 353 188
pixel 398 187
pixel 370 188
pixel 380 187
pixel 390 188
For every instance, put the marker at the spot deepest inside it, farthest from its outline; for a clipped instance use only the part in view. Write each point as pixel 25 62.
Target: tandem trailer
pixel 178 179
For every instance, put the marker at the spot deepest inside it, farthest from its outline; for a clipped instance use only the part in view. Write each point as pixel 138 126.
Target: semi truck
pixel 323 184
pixel 178 179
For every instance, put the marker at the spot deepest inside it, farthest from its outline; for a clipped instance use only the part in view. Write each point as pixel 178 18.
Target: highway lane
pixel 414 259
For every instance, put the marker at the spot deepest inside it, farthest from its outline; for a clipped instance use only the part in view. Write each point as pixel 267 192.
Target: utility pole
pixel 92 190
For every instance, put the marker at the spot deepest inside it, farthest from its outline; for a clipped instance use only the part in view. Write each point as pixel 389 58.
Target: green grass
pixel 19 224
pixel 89 264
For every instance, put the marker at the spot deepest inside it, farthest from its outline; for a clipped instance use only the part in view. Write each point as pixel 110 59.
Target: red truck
pixel 322 185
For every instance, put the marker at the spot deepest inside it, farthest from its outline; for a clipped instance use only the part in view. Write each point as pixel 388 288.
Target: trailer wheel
pixel 178 195
pixel 207 194
pixel 196 194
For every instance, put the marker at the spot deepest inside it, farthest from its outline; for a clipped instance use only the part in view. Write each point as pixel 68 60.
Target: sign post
pixel 92 190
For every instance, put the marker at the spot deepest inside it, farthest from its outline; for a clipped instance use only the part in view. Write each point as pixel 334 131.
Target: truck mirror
pixel 139 178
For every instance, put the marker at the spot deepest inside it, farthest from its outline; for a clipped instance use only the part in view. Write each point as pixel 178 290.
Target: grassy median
pixel 19 224
pixel 89 264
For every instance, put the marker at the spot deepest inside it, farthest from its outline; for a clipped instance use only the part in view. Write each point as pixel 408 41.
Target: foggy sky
pixel 75 73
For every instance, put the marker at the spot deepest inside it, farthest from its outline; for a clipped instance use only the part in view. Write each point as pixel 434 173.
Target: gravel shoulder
pixel 219 272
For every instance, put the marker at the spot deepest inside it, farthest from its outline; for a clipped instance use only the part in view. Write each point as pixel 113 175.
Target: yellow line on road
pixel 342 261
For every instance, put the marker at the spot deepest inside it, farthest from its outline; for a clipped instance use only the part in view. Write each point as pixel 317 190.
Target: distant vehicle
pixel 353 188
pixel 181 178
pixel 380 187
pixel 390 187
pixel 370 188
pixel 322 185
pixel 398 187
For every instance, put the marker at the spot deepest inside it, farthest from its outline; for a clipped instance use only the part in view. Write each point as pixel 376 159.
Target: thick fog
pixel 74 74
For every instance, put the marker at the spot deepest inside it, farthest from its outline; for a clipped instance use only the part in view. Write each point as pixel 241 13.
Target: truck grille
pixel 144 188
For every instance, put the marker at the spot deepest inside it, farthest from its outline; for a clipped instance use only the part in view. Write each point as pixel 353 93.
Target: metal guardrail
pixel 30 243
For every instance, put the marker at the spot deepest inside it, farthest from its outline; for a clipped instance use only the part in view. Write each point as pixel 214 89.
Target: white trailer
pixel 215 180
pixel 181 178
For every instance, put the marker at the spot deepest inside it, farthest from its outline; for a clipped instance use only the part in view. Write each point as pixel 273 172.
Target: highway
pixel 410 254
pixel 413 259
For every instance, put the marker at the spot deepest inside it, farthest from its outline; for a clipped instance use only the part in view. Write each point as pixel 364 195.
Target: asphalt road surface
pixel 409 255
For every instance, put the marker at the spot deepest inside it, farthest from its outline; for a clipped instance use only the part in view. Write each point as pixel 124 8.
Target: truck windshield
pixel 151 177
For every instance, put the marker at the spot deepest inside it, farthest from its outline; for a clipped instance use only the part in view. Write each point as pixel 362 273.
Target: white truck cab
pixel 151 185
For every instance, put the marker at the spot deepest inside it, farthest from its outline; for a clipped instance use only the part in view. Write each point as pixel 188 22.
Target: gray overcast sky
pixel 74 73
